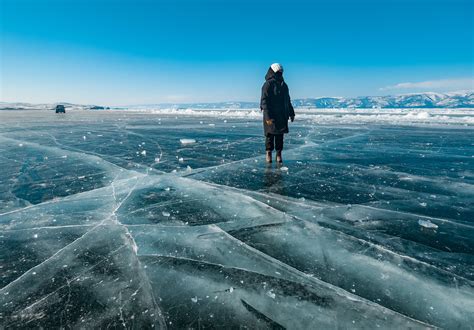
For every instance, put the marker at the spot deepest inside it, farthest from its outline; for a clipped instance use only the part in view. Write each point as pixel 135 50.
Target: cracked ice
pixel 109 219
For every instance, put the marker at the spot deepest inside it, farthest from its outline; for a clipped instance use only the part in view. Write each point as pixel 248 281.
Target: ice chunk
pixel 271 294
pixel 187 141
pixel 427 224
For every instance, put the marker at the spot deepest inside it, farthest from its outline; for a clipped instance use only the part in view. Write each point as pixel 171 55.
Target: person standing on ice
pixel 277 110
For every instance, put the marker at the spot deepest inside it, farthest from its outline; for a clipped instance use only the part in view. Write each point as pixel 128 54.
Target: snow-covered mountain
pixel 420 100
pixel 463 99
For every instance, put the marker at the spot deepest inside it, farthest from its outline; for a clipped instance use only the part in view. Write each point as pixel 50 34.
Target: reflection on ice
pixel 111 220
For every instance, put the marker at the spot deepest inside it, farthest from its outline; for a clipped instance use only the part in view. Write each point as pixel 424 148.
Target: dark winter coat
pixel 275 103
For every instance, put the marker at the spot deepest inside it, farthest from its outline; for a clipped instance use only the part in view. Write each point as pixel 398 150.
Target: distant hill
pixel 47 106
pixel 419 100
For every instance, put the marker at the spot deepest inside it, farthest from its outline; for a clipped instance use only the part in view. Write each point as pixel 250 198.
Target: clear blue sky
pixel 143 51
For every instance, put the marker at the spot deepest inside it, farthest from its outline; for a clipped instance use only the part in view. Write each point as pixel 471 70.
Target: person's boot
pixel 279 159
pixel 269 157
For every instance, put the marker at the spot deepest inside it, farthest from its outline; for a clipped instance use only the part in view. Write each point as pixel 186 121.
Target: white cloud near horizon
pixel 442 84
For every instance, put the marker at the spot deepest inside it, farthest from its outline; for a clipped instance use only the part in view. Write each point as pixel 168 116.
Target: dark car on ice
pixel 60 108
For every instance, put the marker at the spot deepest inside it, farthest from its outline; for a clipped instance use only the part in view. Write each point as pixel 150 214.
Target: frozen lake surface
pixel 159 218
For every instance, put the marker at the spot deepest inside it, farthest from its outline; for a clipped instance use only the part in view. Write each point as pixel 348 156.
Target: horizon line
pixel 229 101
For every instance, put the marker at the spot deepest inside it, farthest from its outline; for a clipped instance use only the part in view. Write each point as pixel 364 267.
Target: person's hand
pixel 292 118
pixel 269 121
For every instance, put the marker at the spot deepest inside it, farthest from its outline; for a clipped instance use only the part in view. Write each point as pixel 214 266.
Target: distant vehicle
pixel 60 108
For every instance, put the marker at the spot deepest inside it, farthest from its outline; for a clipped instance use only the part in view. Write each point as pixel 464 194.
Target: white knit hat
pixel 277 67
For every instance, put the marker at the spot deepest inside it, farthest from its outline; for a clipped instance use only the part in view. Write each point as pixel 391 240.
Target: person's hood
pixel 273 75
